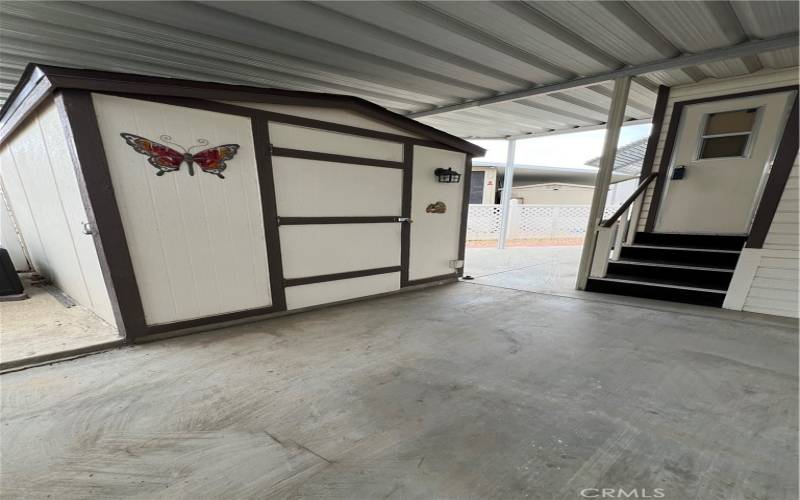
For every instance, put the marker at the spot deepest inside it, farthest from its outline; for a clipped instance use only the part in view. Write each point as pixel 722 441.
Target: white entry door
pixel 723 150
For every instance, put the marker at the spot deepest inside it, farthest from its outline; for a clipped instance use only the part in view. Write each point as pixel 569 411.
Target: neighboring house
pixel 629 158
pixel 483 186
pixel 553 193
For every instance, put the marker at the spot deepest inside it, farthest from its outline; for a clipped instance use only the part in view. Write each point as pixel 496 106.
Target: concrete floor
pixel 459 391
pixel 41 326
pixel 551 269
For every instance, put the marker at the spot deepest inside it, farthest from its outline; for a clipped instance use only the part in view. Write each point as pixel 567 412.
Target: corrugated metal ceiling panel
pixel 406 56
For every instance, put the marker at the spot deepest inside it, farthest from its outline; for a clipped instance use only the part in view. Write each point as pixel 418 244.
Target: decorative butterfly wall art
pixel 166 159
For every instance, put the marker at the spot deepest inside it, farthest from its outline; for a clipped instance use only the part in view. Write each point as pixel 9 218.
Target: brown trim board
pixel 672 133
pixel 405 230
pixel 269 209
pixel 354 160
pixel 340 276
pixel 655 132
pixel 208 320
pixel 298 221
pixel 778 176
pixel 94 179
pixel 433 279
pixel 462 231
pixel 106 81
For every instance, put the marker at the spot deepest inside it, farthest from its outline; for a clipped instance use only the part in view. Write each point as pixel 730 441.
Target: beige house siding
pixel 553 194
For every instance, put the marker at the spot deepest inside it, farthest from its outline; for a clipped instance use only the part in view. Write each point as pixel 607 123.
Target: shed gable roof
pixel 39 81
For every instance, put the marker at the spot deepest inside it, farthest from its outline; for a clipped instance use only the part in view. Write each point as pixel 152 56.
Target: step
pixel 703 277
pixel 706 241
pixel 698 257
pixel 660 291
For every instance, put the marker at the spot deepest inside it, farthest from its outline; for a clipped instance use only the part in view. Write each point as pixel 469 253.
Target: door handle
pixel 405 219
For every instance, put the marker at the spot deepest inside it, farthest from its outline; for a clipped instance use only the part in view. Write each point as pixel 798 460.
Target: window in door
pixel 727 134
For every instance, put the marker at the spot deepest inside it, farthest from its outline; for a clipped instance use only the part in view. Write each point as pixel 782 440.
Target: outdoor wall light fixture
pixel 447 175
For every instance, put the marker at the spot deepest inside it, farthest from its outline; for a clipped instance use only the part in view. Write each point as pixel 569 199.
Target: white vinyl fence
pixel 530 221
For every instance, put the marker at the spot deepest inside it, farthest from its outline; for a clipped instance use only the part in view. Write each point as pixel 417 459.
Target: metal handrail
pixel 621 210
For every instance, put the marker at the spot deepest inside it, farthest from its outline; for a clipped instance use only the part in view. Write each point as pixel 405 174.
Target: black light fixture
pixel 447 175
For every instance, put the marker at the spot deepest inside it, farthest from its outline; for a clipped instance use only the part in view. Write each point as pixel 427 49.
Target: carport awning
pixel 436 61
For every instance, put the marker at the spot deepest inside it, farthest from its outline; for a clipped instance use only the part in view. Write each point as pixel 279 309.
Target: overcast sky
pixel 565 150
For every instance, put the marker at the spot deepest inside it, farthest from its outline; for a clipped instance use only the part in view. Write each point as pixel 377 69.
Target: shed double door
pixel 339 199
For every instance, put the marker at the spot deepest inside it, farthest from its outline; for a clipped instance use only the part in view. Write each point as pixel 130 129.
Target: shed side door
pixel 339 202
pixel 197 242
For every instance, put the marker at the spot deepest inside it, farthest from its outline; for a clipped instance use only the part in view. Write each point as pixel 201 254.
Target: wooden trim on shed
pixel 778 176
pixel 340 276
pixel 269 209
pixel 672 133
pixel 354 160
pixel 433 279
pixel 462 232
pixel 405 230
pixel 299 221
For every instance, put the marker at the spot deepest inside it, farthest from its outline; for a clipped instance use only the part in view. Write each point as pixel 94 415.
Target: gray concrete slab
pixel 42 327
pixel 459 391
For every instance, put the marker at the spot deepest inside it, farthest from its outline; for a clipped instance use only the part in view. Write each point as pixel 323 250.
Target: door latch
pixel 87 228
pixel 405 219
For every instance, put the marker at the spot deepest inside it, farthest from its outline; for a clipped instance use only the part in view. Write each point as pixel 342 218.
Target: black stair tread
pixel 686 248
pixel 713 298
pixel 646 280
pixel 716 241
pixel 667 263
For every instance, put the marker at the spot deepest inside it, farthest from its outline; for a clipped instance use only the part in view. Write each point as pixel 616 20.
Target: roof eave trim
pixel 104 81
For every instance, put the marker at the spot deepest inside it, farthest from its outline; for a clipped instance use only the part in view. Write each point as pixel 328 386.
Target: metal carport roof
pixel 457 66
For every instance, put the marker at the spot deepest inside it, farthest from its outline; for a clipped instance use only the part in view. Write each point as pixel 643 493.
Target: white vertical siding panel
pixel 323 141
pixel 434 237
pixel 333 115
pixel 39 178
pixel 21 207
pixel 197 243
pixel 64 175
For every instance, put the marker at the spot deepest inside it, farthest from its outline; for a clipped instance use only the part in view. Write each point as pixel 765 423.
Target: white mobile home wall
pixel 765 279
pixel 39 179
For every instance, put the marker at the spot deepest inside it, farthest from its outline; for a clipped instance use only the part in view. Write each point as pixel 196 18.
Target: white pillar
pixel 505 197
pixel 616 116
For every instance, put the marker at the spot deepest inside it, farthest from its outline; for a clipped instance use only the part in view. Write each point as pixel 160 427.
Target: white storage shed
pixel 165 205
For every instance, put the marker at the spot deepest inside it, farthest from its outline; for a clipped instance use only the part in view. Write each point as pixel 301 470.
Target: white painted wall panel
pixel 323 141
pixel 43 192
pixel 317 249
pixel 308 188
pixel 434 237
pixel 334 115
pixel 197 243
pixel 332 291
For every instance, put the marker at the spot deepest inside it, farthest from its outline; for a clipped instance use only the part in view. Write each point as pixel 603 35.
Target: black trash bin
pixel 10 284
